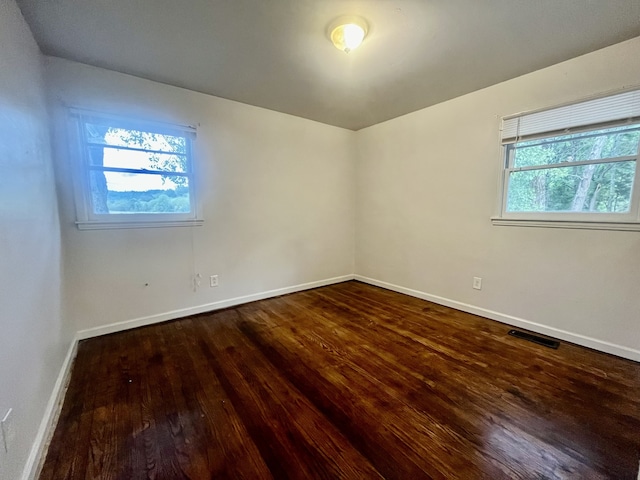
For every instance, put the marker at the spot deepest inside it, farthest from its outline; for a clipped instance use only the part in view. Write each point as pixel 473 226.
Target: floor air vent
pixel 535 339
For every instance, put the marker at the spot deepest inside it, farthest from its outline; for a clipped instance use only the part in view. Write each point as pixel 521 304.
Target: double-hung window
pixel 574 166
pixel 132 174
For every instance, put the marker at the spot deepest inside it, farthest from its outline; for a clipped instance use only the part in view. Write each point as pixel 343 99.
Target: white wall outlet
pixel 8 430
pixel 213 280
pixel 477 283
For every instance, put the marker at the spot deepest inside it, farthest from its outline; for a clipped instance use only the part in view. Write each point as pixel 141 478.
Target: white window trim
pixel 93 225
pixel 629 221
pixel 85 218
pixel 523 222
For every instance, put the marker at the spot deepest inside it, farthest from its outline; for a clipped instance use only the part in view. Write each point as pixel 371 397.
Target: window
pixel 133 174
pixel 573 166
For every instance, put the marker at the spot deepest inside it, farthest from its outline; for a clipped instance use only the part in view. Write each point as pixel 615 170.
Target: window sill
pixel 584 225
pixel 139 224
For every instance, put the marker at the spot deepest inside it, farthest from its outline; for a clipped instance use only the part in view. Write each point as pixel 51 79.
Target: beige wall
pixel 277 193
pixel 278 207
pixel 33 339
pixel 427 187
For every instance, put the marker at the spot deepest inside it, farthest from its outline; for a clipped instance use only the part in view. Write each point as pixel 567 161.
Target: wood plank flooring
pixel 347 381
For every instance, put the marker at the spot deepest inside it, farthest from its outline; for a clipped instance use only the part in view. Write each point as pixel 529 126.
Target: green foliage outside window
pixel 599 187
pixel 135 171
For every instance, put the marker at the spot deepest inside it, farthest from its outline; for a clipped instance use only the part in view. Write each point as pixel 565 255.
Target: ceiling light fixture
pixel 347 32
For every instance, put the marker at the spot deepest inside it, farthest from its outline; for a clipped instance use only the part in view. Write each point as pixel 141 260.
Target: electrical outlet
pixel 477 283
pixel 213 280
pixel 8 430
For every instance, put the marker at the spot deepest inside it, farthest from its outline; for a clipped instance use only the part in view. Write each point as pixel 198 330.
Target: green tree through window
pixel 584 172
pixel 135 171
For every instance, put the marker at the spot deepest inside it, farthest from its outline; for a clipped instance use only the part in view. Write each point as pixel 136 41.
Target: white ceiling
pixel 276 54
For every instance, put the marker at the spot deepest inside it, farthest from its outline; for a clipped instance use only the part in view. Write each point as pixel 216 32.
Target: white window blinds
pixel 600 111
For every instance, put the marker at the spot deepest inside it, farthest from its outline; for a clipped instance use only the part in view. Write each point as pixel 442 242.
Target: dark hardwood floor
pixel 343 382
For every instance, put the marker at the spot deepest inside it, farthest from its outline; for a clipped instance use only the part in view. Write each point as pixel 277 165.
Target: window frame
pixel 625 221
pixel 86 218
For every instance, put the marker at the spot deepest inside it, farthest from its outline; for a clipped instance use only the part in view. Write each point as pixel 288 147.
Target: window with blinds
pixel 133 173
pixel 575 163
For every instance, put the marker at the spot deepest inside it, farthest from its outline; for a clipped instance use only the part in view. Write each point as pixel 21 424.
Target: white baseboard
pixel 54 405
pixel 601 345
pixel 52 411
pixel 185 312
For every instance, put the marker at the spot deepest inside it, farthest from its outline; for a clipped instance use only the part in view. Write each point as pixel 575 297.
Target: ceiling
pixel 276 54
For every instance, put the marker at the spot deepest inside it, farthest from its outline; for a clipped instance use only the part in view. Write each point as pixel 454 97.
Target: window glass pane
pixel 594 145
pixel 119 158
pixel 599 188
pixel 121 137
pixel 116 192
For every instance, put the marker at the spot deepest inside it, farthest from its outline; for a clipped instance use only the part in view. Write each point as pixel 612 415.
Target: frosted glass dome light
pixel 347 33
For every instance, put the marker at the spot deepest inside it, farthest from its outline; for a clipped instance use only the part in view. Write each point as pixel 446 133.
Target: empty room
pixel 319 239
